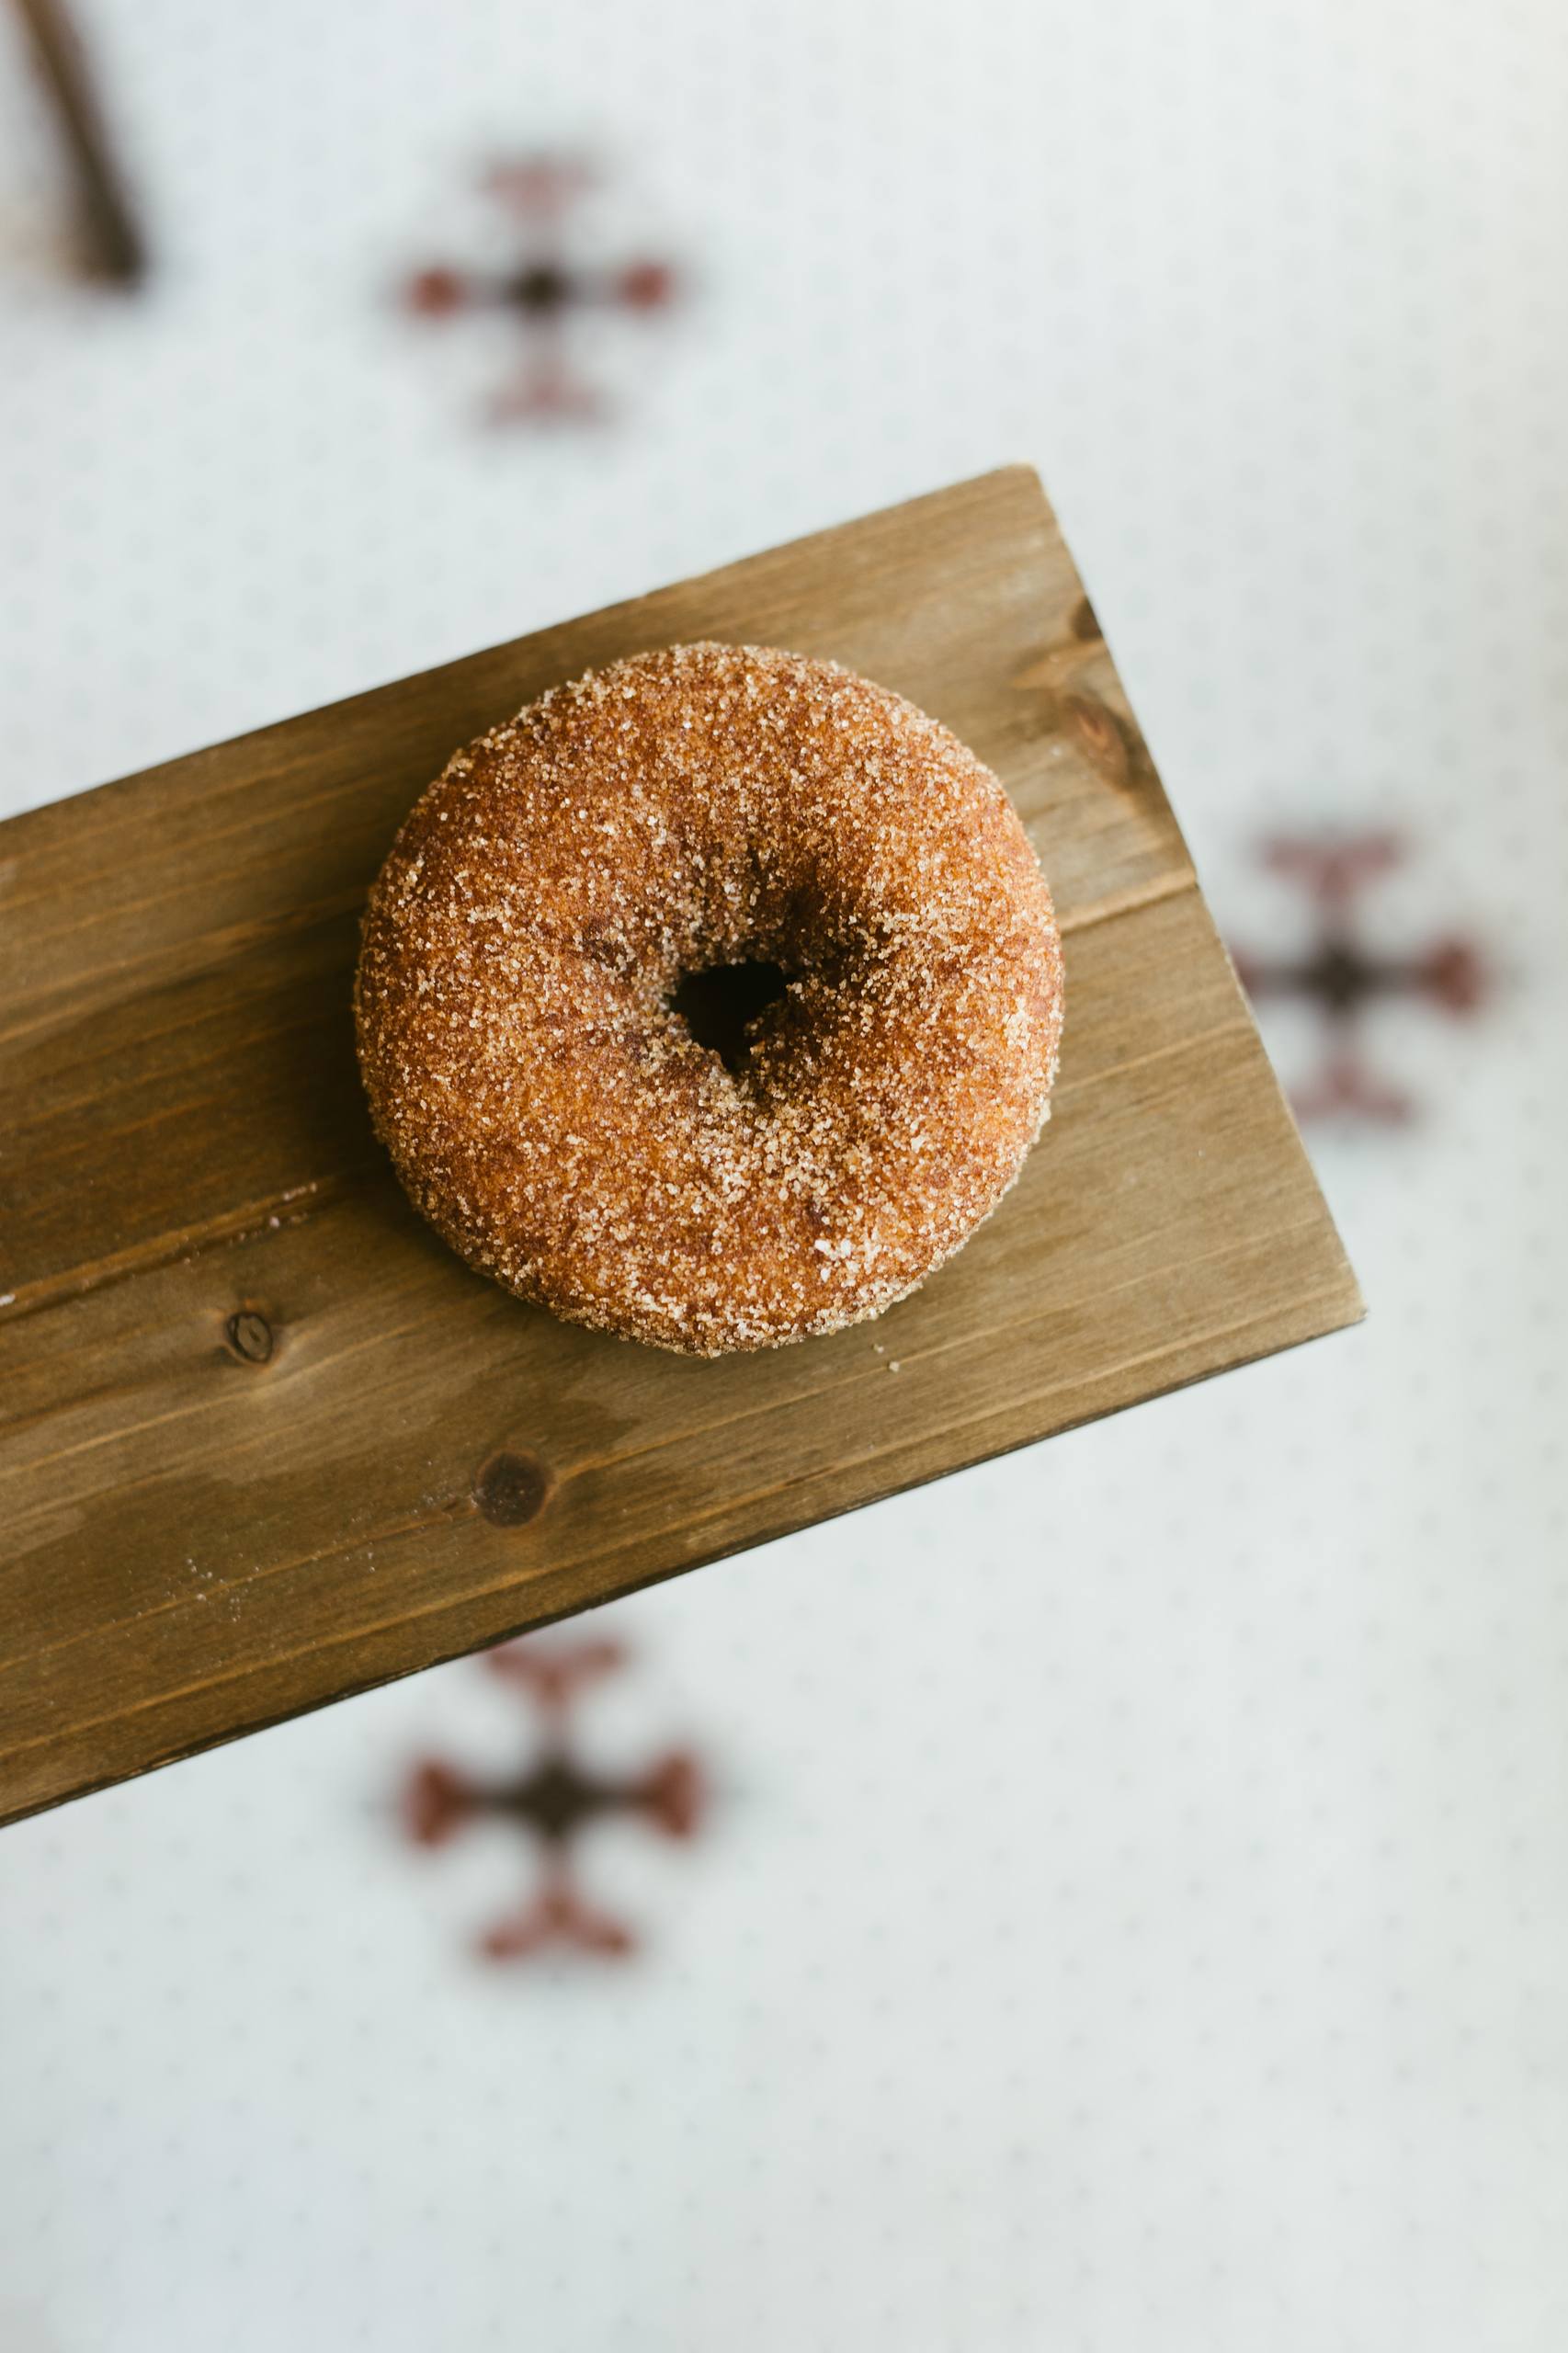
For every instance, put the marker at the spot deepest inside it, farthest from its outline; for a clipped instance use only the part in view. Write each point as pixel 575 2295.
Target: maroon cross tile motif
pixel 552 1798
pixel 545 290
pixel 1344 978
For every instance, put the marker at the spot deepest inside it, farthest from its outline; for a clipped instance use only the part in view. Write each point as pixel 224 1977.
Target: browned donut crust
pixel 703 805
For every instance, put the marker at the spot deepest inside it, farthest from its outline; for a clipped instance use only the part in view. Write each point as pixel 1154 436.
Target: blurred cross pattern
pixel 553 1797
pixel 1344 978
pixel 548 289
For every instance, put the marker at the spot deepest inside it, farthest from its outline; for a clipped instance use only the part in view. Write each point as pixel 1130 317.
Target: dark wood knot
pixel 511 1489
pixel 250 1335
pixel 1099 735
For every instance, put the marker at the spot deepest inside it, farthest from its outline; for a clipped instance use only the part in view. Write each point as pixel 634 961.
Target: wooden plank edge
pixel 1334 1307
pixel 605 618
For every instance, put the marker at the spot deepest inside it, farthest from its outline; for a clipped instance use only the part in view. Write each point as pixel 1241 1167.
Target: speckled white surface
pixel 1157 1934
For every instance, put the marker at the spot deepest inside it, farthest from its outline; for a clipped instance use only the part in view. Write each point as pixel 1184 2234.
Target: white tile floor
pixel 1160 1940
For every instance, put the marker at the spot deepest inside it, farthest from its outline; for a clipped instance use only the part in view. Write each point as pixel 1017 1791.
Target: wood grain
pixel 264 1442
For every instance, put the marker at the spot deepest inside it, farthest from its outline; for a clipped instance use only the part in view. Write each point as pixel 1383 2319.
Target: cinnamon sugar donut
pixel 554 1116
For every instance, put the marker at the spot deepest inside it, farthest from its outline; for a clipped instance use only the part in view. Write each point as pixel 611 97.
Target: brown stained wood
pixel 264 1441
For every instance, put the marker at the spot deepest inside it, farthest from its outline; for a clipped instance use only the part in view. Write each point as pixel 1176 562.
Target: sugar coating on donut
pixel 556 1119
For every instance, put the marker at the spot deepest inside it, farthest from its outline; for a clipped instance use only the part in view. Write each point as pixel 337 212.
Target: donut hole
pixel 719 1003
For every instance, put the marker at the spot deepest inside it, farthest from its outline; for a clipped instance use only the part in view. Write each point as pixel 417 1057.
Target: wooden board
pixel 264 1442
